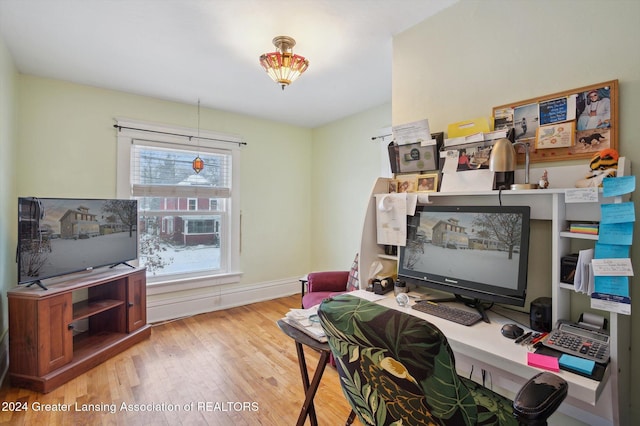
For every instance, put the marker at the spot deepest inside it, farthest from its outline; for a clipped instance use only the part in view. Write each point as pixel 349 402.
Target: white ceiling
pixel 185 50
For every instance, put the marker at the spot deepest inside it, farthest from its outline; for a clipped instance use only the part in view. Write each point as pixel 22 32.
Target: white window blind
pixel 189 221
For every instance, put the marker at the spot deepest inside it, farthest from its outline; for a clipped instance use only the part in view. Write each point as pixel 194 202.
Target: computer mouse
pixel 512 331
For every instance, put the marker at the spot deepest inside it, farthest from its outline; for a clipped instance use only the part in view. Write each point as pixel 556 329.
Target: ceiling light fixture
pixel 282 65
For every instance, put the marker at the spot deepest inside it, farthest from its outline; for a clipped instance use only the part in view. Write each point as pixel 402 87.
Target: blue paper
pixel 575 363
pixel 617 213
pixel 611 251
pixel 616 285
pixel 616 233
pixel 612 187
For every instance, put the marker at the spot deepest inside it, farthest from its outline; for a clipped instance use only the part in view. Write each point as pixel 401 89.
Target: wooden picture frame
pixel 407 183
pixel 591 110
pixel 427 182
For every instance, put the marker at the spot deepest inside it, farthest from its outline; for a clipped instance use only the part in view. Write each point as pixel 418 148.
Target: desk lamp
pixel 503 159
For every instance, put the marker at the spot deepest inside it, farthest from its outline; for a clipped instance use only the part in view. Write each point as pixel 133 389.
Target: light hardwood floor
pixel 231 367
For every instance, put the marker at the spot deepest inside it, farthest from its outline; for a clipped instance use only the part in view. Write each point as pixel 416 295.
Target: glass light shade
pixel 197 164
pixel 503 156
pixel 283 66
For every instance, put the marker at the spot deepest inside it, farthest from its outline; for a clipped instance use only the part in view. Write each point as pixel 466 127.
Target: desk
pixel 309 388
pixel 482 346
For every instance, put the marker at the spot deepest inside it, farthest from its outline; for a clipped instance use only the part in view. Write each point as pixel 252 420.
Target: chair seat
pixel 316 297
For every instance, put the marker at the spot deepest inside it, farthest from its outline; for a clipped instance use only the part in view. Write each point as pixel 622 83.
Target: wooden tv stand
pixel 52 340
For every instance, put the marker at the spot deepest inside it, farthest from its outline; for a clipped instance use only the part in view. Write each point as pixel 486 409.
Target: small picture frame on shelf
pixel 393 186
pixel 427 182
pixel 407 183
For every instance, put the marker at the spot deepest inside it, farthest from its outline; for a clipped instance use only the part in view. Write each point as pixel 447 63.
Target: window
pixel 189 222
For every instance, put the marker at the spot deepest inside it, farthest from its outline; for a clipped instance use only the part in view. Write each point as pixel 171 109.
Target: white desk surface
pixel 484 342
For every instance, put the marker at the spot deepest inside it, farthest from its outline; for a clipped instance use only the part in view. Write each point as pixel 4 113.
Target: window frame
pixel 188 138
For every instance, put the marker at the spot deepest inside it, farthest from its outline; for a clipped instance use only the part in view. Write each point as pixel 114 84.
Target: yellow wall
pixel 8 210
pixel 68 146
pixel 345 164
pixel 476 55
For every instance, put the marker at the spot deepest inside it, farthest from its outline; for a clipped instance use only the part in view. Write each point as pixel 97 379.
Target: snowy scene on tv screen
pixel 479 247
pixel 59 236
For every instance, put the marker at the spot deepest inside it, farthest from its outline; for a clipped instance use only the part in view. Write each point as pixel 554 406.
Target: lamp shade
pixel 283 66
pixel 503 156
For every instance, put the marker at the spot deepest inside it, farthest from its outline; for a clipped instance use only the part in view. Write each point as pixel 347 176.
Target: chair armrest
pixel 539 398
pixel 327 281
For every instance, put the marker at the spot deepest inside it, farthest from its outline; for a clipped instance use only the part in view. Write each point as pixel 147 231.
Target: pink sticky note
pixel 543 361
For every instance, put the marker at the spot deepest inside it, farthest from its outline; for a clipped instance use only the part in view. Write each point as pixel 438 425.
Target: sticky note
pixel 574 363
pixel 543 361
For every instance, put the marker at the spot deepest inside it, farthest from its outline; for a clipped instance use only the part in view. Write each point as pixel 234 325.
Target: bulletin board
pixel 569 125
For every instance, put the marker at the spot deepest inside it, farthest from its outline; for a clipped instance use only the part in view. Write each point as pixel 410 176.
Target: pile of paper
pixel 307 321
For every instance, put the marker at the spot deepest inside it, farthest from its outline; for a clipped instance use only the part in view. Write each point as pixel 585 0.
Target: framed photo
pixel 590 113
pixel 393 186
pixel 407 183
pixel 427 183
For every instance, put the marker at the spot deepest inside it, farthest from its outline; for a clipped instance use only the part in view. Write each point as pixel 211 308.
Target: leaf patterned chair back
pixel 398 369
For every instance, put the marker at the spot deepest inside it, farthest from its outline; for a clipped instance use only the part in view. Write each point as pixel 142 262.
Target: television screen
pixel 479 252
pixel 57 236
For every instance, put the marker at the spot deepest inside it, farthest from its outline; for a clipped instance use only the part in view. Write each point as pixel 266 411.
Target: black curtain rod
pixel 381 136
pixel 177 134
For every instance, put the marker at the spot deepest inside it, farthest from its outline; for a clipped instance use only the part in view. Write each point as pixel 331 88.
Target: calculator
pixel 575 340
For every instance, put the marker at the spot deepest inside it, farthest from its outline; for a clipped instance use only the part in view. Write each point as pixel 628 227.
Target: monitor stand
pixel 38 283
pixel 122 263
pixel 477 304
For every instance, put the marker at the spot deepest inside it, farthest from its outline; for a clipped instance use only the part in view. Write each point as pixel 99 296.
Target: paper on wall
pixel 391 219
pixel 415 132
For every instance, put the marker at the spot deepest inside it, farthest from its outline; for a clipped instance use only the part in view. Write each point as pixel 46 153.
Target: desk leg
pixel 310 389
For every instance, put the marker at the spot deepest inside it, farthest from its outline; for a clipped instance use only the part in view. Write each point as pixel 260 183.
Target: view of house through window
pixel 183 215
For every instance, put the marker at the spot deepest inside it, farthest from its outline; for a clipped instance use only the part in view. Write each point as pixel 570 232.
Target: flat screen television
pixel 477 253
pixel 58 236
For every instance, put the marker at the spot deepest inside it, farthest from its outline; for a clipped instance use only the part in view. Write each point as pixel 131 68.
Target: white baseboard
pixel 167 307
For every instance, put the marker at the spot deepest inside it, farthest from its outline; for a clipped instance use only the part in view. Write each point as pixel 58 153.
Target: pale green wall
pixel 68 146
pixel 345 164
pixel 476 55
pixel 8 210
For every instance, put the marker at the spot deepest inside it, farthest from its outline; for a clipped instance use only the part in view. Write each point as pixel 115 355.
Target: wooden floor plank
pixel 221 368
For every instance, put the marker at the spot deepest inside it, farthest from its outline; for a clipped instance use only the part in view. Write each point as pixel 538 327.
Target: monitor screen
pixel 478 252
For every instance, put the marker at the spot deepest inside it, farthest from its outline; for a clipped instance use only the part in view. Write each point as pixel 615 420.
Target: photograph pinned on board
pixel 591 141
pixel 503 119
pixel 525 121
pixel 593 109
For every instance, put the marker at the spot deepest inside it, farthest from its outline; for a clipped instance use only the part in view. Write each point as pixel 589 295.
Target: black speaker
pixel 540 314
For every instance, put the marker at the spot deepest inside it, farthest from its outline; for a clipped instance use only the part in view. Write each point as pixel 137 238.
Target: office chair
pixel 397 367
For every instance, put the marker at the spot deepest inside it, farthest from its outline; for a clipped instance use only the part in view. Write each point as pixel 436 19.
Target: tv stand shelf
pixel 52 340
pixel 86 308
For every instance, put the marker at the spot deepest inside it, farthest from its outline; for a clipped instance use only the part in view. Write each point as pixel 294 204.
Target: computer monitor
pixel 477 253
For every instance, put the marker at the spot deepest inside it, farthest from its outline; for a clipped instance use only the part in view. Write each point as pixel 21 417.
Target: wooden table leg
pixel 310 389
